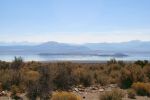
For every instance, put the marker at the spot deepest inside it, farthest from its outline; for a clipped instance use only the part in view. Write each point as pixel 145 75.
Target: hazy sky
pixel 74 21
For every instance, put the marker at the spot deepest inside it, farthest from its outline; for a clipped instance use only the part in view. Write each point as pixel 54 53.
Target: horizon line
pixel 33 43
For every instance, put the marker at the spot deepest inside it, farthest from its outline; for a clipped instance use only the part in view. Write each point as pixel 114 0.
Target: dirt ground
pixel 91 95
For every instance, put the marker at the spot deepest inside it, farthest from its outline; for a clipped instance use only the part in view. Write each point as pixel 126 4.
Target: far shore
pixel 86 61
pixel 81 61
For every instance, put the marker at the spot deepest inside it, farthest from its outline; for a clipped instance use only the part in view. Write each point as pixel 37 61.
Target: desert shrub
pixel 146 70
pixel 101 79
pixel 141 63
pixel 31 80
pixel 142 89
pixel 17 78
pixel 137 74
pixel 17 63
pixel 112 61
pixel 45 83
pixel 85 75
pixel 113 77
pixel 33 65
pixel 77 73
pixel 121 63
pixel 115 94
pixel 129 75
pixel 131 94
pixel 39 84
pixel 11 77
pixel 125 79
pixel 64 78
pixel 31 75
pixel 86 79
pixel 32 90
pixel 5 79
pixel 4 65
pixel 114 67
pixel 65 96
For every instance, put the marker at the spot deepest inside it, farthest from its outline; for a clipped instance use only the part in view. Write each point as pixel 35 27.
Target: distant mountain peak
pixel 49 43
pixel 135 41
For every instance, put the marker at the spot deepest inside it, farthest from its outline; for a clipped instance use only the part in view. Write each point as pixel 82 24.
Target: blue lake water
pixel 73 57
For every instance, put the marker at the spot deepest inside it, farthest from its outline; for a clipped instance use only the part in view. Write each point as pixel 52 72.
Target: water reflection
pixel 71 57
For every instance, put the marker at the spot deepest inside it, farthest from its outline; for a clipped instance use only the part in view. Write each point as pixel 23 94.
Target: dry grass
pixel 65 96
pixel 142 89
pixel 115 94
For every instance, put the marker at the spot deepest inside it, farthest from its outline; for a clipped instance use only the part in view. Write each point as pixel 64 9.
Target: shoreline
pixel 87 61
pixel 80 61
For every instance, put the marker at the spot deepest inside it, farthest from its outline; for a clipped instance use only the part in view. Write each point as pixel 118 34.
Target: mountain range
pixel 122 48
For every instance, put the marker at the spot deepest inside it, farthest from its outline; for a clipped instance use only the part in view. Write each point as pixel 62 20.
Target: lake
pixel 74 57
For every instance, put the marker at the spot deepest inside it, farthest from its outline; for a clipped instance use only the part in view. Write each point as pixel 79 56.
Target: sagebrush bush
pixel 129 75
pixel 114 67
pixel 4 65
pixel 39 84
pixel 115 94
pixel 64 78
pixel 142 89
pixel 86 79
pixel 17 63
pixel 83 76
pixel 6 79
pixel 137 74
pixel 32 65
pixel 31 75
pixel 65 96
pixel 101 79
pixel 125 79
pixel 112 61
pixel 113 78
pixel 146 70
pixel 141 63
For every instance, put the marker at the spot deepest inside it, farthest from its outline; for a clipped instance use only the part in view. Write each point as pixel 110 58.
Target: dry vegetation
pixel 39 80
pixel 65 96
pixel 115 94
